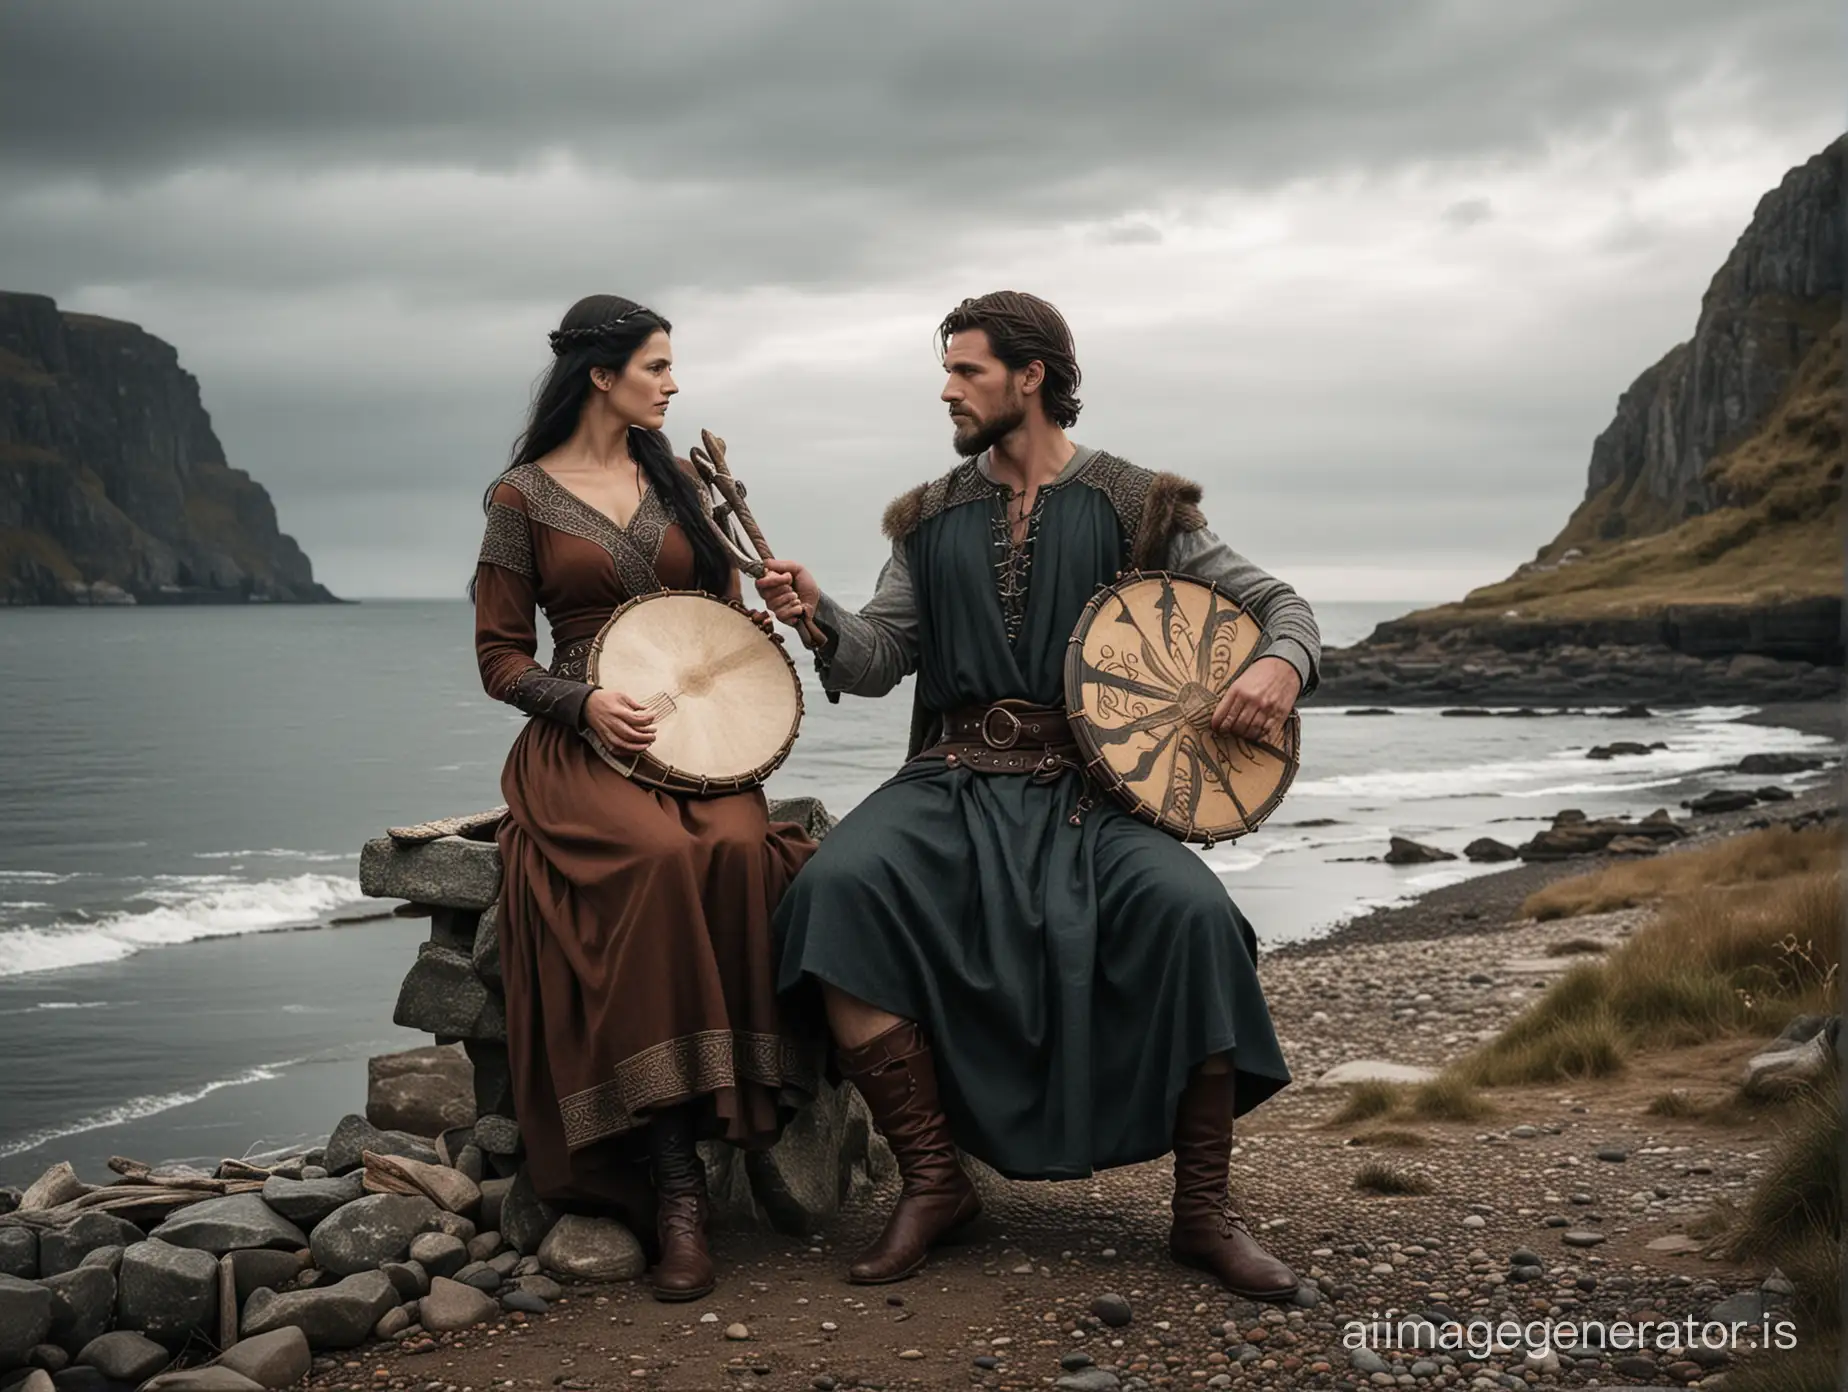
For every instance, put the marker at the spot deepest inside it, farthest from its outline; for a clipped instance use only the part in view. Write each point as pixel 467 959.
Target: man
pixel 1009 963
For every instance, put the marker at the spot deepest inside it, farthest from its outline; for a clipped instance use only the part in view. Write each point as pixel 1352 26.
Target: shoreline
pixel 1485 902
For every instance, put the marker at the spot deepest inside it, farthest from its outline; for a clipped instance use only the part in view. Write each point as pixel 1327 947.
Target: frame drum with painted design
pixel 1144 671
pixel 726 697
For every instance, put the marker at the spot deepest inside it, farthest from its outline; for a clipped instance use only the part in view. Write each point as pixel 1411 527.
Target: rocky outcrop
pixel 1777 295
pixel 1704 563
pixel 113 486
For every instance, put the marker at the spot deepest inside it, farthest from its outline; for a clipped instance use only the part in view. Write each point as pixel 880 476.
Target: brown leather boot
pixel 685 1269
pixel 895 1074
pixel 1208 1231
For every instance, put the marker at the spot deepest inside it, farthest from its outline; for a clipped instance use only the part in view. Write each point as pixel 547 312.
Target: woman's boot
pixel 1208 1232
pixel 685 1269
pixel 895 1074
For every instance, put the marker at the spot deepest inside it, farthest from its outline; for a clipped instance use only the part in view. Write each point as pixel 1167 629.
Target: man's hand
pixel 619 722
pixel 1255 705
pixel 789 590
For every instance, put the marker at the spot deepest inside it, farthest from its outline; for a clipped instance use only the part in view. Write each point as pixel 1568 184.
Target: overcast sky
pixel 1373 273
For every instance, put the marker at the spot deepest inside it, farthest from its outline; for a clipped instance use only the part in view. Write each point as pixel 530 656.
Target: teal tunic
pixel 1070 966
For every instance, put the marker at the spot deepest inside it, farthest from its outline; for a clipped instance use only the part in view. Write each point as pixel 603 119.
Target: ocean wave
pixel 1708 745
pixel 192 908
pixel 139 1109
pixel 279 853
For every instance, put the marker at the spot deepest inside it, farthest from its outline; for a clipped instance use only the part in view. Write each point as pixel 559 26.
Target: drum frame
pixel 651 772
pixel 1099 771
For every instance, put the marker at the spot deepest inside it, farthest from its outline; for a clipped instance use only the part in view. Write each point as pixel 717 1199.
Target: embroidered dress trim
pixel 690 1066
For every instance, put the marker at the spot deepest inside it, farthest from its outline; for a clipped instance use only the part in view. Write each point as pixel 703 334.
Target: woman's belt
pixel 572 660
pixel 1007 737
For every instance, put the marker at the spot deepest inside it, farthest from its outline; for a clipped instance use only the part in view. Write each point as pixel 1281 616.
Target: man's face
pixel 984 397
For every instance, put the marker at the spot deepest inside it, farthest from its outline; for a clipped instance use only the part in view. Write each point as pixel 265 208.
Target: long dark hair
pixel 607 331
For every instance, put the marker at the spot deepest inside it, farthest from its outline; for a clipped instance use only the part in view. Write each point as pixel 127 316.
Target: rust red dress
pixel 634 924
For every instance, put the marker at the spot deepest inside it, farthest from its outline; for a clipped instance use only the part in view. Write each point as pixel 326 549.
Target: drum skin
pixel 1144 670
pixel 728 698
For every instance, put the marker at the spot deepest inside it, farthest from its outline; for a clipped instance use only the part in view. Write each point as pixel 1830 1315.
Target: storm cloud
pixel 1375 275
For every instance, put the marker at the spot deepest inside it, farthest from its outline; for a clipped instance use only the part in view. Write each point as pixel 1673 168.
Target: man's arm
pixel 870 651
pixel 1288 622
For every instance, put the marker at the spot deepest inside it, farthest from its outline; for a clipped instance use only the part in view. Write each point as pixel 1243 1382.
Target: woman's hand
pixel 789 590
pixel 1255 705
pixel 619 722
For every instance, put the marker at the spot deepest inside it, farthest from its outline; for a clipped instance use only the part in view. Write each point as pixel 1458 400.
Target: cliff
pixel 1710 528
pixel 113 487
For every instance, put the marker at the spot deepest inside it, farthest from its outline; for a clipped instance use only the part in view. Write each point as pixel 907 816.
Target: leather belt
pixel 572 660
pixel 1007 737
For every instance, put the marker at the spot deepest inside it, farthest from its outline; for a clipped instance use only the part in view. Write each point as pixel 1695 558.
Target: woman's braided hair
pixel 563 340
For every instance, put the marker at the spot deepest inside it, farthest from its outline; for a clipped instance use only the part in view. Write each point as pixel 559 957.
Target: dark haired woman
pixel 635 924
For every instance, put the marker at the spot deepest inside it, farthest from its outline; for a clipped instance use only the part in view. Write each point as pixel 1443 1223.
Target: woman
pixel 635 924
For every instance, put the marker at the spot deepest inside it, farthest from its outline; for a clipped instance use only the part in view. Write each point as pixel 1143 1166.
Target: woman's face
pixel 639 393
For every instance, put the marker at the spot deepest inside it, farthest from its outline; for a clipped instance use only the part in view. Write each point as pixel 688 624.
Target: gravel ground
pixel 1013 1306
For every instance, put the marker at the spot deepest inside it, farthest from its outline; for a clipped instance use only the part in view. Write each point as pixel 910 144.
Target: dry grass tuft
pixel 1757 857
pixel 1448 1098
pixel 1728 960
pixel 1677 1102
pixel 1366 1101
pixel 1375 1177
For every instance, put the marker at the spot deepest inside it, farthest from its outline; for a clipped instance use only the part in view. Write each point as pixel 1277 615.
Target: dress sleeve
pixel 506 605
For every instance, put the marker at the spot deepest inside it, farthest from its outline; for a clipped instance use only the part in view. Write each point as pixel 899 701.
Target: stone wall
pixel 452 870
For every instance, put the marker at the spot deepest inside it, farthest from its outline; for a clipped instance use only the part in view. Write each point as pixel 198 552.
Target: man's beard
pixel 987 436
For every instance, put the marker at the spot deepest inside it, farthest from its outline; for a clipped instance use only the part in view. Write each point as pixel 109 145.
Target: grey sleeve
pixel 870 651
pixel 1288 622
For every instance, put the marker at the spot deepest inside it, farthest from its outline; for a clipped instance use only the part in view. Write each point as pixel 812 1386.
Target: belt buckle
pixel 1012 734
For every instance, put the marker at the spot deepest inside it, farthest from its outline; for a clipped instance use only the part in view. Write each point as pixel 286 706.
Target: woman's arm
pixel 506 603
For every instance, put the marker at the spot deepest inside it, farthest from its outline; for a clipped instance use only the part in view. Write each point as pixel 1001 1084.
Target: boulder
pixel 1789 1068
pixel 525 1218
pixel 592 1249
pixel 1722 800
pixel 369 1232
pixel 1487 850
pixel 420 1091
pixel 255 1268
pixel 25 1319
pixel 498 1135
pixel 82 1306
pixel 451 1306
pixel 230 1224
pixel 1373 1071
pixel 441 995
pixel 19 1253
pixel 308 1201
pixel 411 1277
pixel 1632 845
pixel 274 1360
pixel 484 954
pixel 209 1378
pixel 439 1253
pixel 1620 749
pixel 167 1292
pixel 109 1258
pixel 450 871
pixel 64 1248
pixel 336 1317
pixel 1404 852
pixel 1777 764
pixel 124 1356
pixel 354 1136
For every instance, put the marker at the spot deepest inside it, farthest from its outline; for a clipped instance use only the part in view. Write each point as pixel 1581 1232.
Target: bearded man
pixel 1009 964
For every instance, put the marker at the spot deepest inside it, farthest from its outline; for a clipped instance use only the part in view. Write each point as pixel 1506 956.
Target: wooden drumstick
pixel 711 465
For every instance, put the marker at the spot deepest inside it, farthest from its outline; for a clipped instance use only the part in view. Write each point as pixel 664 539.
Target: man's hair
pixel 1023 328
